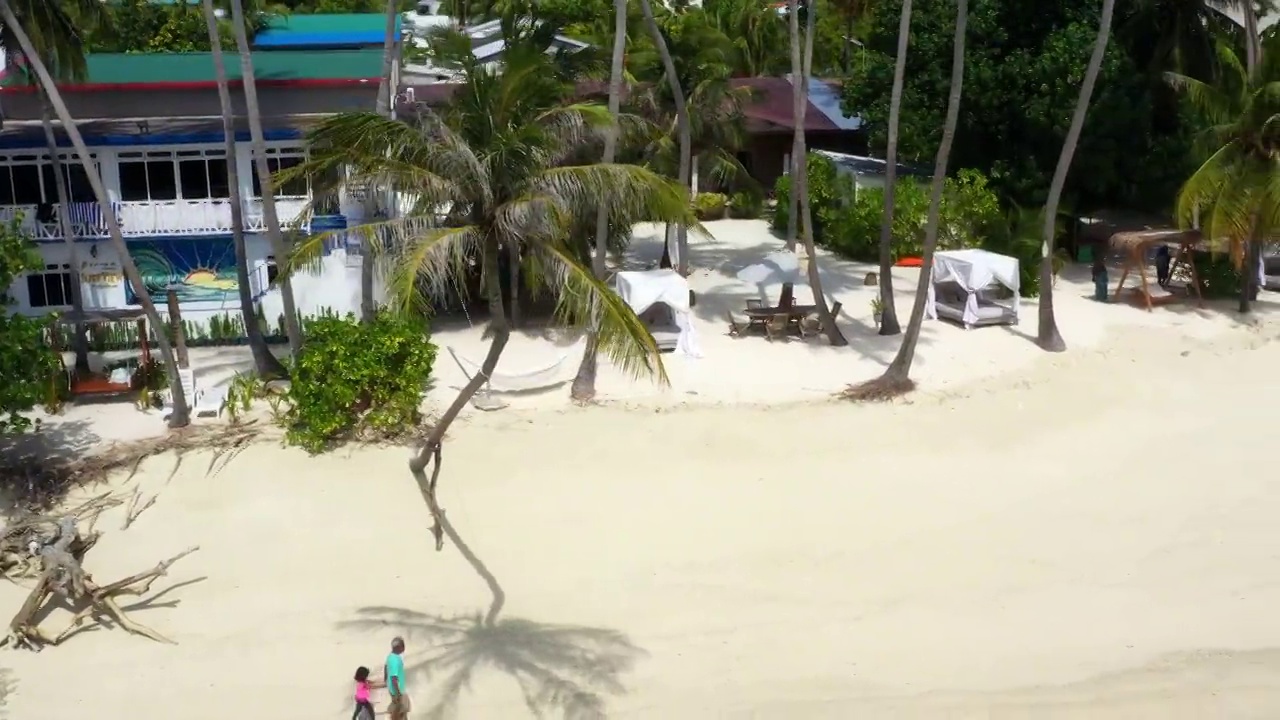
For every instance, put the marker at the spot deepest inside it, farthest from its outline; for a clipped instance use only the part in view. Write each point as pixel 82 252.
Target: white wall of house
pixel 159 212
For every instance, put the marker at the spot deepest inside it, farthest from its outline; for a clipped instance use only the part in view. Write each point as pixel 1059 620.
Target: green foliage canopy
pixel 1024 63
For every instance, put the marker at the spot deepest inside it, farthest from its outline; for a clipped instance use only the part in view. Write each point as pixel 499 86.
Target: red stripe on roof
pixel 198 85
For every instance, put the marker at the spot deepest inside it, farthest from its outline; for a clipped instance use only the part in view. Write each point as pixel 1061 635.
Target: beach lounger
pixel 198 402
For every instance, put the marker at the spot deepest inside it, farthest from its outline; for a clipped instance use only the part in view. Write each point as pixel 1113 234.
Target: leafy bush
pixel 853 228
pixel 782 206
pixel 746 205
pixel 27 362
pixel 1218 275
pixel 847 218
pixel 354 379
pixel 826 187
pixel 710 206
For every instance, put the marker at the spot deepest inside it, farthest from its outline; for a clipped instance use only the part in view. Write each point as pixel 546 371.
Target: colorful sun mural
pixel 198 269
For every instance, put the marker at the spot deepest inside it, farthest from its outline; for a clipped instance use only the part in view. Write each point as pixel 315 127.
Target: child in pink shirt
pixel 364 709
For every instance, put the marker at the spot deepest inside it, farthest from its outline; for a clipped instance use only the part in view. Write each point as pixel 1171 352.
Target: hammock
pixel 543 377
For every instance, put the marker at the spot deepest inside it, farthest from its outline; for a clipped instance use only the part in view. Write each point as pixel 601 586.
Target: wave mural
pixel 198 269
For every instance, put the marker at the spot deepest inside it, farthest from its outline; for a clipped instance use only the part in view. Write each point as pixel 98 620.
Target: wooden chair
pixel 777 326
pixel 736 329
pixel 811 325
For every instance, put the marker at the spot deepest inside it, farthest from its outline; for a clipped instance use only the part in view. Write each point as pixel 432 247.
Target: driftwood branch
pixel 63 576
pixel 136 507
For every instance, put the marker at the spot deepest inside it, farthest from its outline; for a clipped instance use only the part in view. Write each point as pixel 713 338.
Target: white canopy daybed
pixel 959 279
pixel 661 299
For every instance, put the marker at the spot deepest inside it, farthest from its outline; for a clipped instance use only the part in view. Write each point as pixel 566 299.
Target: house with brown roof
pixel 153 124
pixel 770 120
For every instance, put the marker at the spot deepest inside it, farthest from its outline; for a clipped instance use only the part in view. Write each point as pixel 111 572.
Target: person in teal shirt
pixel 399 707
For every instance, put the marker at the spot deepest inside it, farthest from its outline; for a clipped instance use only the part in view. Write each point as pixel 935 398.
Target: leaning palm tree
pixel 292 325
pixel 80 343
pixel 1048 336
pixel 264 362
pixel 584 384
pixel 889 314
pixel 488 172
pixel 896 379
pixel 180 416
pixel 57 30
pixel 683 130
pixel 800 174
pixel 1237 189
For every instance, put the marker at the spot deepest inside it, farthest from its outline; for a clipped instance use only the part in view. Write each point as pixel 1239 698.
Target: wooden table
pixel 762 316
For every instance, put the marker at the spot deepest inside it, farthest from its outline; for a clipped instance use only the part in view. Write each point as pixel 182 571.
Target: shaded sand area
pixel 1093 537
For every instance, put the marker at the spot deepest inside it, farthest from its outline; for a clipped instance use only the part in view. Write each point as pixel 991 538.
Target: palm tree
pixel 800 174
pixel 754 29
pixel 180 417
pixel 896 379
pixel 264 361
pixel 1238 184
pixel 384 107
pixel 57 29
pixel 291 324
pixel 584 384
pixel 494 162
pixel 682 126
pixel 80 343
pixel 889 313
pixel 1048 336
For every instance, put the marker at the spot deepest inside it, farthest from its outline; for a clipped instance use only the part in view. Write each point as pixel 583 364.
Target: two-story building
pixel 153 125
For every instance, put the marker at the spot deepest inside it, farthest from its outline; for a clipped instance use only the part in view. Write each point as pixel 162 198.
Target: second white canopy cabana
pixel 959 275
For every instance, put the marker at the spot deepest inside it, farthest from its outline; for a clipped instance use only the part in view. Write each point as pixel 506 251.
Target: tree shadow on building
pixel 566 670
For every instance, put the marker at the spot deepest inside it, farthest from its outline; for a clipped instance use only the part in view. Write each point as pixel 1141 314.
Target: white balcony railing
pixel 155 218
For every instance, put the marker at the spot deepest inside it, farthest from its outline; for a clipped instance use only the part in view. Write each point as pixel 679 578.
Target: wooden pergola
pixel 1134 246
pixel 97 384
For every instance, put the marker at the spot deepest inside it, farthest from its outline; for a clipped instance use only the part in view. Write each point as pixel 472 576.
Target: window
pixel 77 182
pixel 273 270
pixel 279 159
pixel 169 175
pixel 51 288
pixel 27 184
pixel 28 180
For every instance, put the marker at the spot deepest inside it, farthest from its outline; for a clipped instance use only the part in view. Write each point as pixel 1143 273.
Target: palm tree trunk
pixel 584 384
pixel 898 374
pixel 180 416
pixel 431 450
pixel 800 180
pixel 80 344
pixel 291 324
pixel 1048 336
pixel 682 126
pixel 1253 246
pixel 889 313
pixel 368 263
pixel 264 362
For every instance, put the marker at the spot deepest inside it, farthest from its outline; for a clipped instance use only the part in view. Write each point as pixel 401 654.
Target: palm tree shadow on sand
pixel 566 669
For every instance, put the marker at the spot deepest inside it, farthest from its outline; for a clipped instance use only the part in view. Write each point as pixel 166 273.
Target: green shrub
pixel 746 204
pixel 1218 275
pixel 969 214
pixel 826 188
pixel 710 206
pixel 357 380
pixel 782 206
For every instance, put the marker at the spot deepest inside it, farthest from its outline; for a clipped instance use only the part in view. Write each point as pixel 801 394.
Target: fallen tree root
pixel 43 482
pixel 62 578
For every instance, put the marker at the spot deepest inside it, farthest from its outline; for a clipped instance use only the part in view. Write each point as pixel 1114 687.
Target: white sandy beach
pixel 1085 535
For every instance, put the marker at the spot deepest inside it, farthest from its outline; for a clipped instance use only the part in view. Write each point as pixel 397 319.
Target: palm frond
pixel 632 194
pixel 587 301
